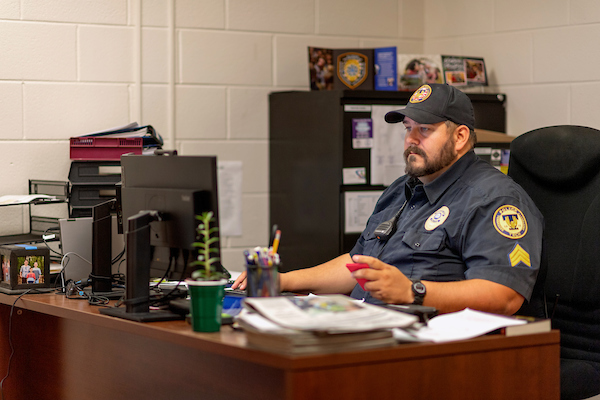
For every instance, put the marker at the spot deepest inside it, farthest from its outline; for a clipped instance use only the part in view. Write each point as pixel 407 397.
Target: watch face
pixel 419 288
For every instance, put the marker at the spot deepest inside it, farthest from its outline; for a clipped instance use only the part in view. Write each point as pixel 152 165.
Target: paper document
pixel 335 313
pixel 230 197
pixel 358 208
pixel 465 324
pixel 387 154
pixel 25 199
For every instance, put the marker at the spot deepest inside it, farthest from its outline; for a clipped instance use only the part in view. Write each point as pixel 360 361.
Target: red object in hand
pixel 355 266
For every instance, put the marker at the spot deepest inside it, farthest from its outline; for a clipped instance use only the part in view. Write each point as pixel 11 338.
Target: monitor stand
pixel 138 274
pixel 102 253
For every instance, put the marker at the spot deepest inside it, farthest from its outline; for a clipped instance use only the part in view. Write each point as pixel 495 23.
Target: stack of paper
pixel 299 325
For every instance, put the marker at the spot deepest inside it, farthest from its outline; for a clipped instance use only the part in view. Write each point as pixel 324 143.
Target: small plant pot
pixel 206 304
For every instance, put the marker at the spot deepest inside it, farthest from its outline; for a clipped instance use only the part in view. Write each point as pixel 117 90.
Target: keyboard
pixel 235 292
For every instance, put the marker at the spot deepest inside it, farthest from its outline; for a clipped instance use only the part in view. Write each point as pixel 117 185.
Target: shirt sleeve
pixel 502 243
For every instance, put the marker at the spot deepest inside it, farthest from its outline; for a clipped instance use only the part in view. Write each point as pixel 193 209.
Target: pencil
pixel 276 241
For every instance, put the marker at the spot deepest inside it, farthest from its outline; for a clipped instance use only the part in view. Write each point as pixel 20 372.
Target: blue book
pixel 386 68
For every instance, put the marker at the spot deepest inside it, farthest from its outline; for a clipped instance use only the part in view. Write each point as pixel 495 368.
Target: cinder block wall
pixel 542 54
pixel 200 72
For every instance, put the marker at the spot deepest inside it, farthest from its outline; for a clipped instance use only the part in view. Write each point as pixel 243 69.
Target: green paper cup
pixel 206 304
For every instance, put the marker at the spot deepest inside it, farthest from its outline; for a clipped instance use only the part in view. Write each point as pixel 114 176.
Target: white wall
pixel 199 71
pixel 541 53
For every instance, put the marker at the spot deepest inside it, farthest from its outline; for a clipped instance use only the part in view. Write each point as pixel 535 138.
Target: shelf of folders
pixel 262 268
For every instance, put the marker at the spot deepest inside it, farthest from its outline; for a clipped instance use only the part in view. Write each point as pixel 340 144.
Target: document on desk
pixel 26 199
pixel 461 325
pixel 332 314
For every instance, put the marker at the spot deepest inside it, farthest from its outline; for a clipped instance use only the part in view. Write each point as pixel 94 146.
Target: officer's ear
pixel 461 138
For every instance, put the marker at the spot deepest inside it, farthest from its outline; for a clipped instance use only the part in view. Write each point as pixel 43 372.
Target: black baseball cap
pixel 435 102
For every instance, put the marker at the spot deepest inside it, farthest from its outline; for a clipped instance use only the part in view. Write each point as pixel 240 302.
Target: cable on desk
pixel 46 242
pixel 63 265
pixel 95 300
pixel 12 347
pixel 175 292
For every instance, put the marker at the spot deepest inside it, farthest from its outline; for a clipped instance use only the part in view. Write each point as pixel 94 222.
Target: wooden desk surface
pixel 67 345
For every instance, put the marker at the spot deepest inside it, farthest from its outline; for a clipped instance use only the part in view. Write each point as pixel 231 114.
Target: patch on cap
pixel 421 94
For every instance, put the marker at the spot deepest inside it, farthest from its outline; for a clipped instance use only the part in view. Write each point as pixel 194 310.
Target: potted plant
pixel 206 287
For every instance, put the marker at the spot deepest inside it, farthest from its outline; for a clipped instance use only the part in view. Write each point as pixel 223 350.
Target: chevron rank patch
pixel 510 222
pixel 519 255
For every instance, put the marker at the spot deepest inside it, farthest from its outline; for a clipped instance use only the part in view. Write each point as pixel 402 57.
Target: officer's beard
pixel 445 157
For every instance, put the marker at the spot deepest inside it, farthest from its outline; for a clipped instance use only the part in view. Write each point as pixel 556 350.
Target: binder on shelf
pixel 132 130
pixel 112 143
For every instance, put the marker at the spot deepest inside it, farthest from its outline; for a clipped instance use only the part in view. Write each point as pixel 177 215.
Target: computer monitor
pixel 160 198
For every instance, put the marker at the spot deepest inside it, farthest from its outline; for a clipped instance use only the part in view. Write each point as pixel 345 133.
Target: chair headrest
pixel 564 154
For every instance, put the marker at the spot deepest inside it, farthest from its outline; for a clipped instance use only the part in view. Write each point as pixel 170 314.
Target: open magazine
pixel 332 314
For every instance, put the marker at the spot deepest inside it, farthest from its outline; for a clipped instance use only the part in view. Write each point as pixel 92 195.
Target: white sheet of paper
pixel 230 197
pixel 388 147
pixel 465 324
pixel 354 176
pixel 359 207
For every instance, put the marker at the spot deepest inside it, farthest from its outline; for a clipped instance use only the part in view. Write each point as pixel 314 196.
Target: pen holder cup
pixel 262 281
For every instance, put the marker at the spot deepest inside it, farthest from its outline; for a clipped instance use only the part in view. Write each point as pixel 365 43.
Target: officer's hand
pixel 385 282
pixel 240 282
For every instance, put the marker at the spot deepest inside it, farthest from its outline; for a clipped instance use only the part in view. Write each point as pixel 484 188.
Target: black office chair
pixel 559 167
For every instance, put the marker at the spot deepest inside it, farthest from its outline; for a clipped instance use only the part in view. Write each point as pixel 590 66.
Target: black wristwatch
pixel 419 290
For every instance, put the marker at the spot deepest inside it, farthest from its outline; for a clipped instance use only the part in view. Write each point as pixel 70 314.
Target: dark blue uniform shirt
pixel 472 222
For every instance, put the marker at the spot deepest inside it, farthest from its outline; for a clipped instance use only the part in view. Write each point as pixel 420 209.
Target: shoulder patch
pixel 437 218
pixel 510 222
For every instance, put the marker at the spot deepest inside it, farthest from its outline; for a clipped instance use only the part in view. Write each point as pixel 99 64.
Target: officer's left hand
pixel 385 282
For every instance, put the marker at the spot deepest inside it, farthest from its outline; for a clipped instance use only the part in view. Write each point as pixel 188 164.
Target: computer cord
pixel 63 264
pixel 48 244
pixel 118 257
pixel 10 343
pixel 171 294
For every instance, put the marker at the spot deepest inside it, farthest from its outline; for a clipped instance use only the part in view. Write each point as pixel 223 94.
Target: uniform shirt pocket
pixel 424 241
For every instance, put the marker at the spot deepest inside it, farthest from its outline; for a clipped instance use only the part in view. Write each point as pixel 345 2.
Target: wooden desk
pixel 64 349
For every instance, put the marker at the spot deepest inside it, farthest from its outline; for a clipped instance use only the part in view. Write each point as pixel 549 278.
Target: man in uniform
pixel 454 232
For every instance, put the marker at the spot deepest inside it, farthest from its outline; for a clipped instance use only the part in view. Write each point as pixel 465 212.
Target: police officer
pixel 454 232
